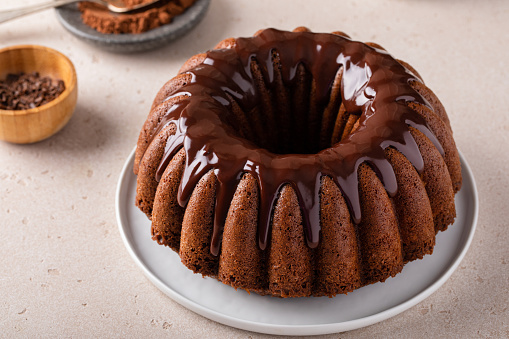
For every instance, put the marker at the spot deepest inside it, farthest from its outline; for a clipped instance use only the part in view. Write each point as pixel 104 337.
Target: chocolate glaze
pixel 373 83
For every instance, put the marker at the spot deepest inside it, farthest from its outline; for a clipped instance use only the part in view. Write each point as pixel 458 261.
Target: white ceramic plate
pixel 300 316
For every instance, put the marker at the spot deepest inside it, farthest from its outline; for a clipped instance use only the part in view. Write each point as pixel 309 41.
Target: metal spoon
pixel 116 6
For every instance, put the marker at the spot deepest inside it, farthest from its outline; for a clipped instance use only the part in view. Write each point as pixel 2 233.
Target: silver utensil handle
pixel 10 14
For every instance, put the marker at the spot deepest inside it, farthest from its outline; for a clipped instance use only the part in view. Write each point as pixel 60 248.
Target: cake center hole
pixel 288 119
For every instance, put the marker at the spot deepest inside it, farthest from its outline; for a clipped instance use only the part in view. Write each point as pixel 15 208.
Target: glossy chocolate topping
pixel 373 84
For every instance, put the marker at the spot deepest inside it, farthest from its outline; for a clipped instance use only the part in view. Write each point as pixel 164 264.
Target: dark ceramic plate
pixel 70 17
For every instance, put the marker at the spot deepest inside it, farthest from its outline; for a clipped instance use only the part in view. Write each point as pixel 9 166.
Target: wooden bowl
pixel 35 124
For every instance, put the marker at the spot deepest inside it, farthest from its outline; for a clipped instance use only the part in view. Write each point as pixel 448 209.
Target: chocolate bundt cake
pixel 297 164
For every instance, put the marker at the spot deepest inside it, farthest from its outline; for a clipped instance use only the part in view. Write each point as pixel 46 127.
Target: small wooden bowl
pixel 35 124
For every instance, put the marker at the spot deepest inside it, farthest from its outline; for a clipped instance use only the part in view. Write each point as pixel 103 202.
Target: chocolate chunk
pixel 24 91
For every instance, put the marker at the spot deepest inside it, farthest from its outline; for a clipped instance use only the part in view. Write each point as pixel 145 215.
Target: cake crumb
pixel 101 19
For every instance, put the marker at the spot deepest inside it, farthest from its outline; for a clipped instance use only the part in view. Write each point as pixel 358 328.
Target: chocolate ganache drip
pixel 373 84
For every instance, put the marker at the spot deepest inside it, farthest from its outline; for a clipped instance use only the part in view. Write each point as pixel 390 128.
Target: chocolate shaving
pixel 24 91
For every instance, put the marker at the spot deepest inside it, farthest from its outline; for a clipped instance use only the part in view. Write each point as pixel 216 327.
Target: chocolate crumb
pixel 25 91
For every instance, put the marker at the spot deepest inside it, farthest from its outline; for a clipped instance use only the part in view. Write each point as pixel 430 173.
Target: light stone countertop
pixel 64 269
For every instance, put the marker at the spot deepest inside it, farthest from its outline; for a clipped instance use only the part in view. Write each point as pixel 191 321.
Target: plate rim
pixel 297 330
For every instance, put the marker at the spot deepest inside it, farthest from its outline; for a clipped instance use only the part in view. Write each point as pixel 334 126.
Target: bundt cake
pixel 297 164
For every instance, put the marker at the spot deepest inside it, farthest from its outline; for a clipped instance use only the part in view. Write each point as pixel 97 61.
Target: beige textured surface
pixel 64 269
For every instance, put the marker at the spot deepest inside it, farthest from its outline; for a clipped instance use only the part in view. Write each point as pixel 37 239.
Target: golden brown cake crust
pixel 240 251
pixel 197 228
pixel 167 215
pixel 337 263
